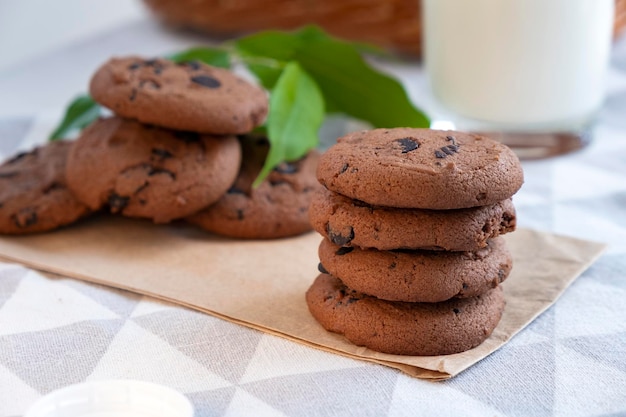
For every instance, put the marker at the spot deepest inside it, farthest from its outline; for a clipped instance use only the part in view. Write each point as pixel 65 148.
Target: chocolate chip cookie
pixel 33 193
pixel 418 276
pixel 191 96
pixel 349 222
pixel 278 207
pixel 145 171
pixel 420 168
pixel 420 329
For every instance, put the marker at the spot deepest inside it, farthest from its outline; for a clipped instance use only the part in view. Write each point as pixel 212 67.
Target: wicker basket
pixel 393 24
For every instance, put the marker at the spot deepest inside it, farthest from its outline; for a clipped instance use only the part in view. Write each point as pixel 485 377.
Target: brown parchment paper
pixel 261 284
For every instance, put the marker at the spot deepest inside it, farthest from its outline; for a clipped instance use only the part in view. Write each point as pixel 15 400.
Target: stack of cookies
pixel 412 256
pixel 171 150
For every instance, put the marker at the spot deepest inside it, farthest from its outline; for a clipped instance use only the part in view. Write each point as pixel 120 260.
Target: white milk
pixel 519 63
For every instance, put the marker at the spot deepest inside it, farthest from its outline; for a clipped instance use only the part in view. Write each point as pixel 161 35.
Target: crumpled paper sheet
pixel 261 284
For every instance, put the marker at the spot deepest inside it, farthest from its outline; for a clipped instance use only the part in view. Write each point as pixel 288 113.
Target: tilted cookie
pixel 418 276
pixel 419 329
pixel 420 168
pixel 146 171
pixel 33 192
pixel 191 96
pixel 348 222
pixel 278 207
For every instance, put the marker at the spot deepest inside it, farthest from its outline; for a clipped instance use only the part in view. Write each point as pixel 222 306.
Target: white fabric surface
pixel 571 361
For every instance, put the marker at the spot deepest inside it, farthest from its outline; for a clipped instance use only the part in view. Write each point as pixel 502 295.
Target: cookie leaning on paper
pixel 420 168
pixel 191 96
pixel 33 192
pixel 278 207
pixel 145 171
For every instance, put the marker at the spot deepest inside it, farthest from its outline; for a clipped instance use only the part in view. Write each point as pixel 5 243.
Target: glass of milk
pixel 528 72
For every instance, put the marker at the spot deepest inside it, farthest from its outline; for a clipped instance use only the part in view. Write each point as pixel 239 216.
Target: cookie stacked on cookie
pixel 412 256
pixel 170 150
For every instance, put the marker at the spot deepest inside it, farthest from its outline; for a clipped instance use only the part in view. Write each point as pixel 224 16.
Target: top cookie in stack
pixel 412 259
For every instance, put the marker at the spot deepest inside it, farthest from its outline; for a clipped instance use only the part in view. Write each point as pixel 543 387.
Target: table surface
pixel 571 361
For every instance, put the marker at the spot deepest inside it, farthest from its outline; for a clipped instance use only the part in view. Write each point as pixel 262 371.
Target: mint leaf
pixel 353 87
pixel 349 84
pixel 295 116
pixel 217 57
pixel 81 112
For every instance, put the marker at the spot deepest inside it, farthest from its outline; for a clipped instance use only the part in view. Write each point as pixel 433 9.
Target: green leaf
pixel 353 87
pixel 218 57
pixel 295 116
pixel 349 84
pixel 81 112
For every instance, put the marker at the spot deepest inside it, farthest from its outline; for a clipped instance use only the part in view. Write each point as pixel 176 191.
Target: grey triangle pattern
pixel 119 301
pixel 211 403
pixel 359 392
pixel 48 360
pixel 519 381
pixel 608 270
pixel 204 338
pixel 607 349
pixel 618 414
pixel 544 324
pixel 9 281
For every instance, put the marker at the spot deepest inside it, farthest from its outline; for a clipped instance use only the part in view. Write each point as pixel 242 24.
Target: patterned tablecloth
pixel 571 361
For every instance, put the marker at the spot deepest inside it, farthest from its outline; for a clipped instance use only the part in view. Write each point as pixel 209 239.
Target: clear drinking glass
pixel 528 72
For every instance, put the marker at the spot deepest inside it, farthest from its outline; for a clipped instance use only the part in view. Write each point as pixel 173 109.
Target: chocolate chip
pixel 344 250
pixel 134 66
pixel 240 215
pixel 235 190
pixel 286 168
pixel 481 196
pixel 465 286
pixel 187 137
pixel 501 275
pixel 25 217
pixel 150 62
pixel 133 95
pixel 161 153
pixel 450 149
pixel 352 300
pixel 10 174
pixel 158 70
pixel 451 139
pixel 206 81
pixel 193 64
pixel 156 171
pixel 440 154
pixel 321 268
pixel 21 155
pixel 344 168
pixel 456 311
pixel 408 144
pixel 274 183
pixel 52 187
pixel 393 265
pixel 117 202
pixel 339 239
